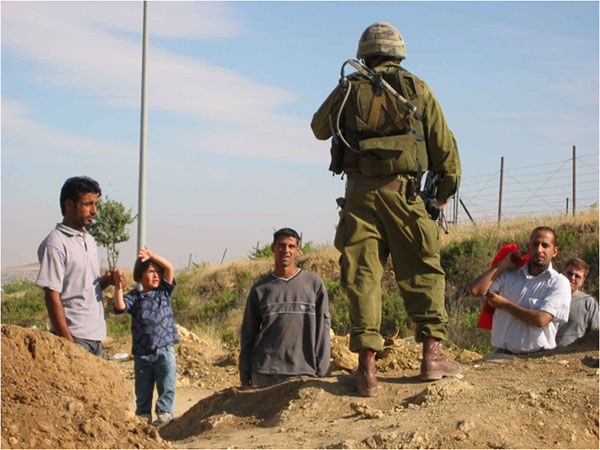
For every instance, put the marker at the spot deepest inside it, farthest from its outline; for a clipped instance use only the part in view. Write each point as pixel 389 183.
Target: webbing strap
pixel 378 101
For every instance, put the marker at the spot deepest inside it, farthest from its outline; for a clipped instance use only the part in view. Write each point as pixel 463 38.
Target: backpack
pixel 379 135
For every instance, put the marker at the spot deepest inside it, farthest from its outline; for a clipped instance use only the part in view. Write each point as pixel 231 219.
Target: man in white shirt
pixel 531 302
pixel 69 272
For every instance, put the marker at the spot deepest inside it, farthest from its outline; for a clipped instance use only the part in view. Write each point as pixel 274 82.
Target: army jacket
pixel 439 141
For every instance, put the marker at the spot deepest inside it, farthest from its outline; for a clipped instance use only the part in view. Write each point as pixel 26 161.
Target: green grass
pixel 23 304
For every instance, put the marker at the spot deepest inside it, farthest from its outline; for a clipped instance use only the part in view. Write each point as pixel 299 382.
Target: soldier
pixel 384 145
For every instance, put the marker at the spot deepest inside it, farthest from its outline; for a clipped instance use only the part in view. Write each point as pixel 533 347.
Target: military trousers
pixel 377 219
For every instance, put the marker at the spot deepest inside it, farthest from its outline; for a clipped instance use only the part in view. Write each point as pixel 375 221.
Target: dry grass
pixel 522 225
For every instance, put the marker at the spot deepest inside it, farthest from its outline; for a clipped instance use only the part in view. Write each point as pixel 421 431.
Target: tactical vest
pixel 388 137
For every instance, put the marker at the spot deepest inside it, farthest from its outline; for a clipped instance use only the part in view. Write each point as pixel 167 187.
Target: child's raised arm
pixel 118 297
pixel 145 254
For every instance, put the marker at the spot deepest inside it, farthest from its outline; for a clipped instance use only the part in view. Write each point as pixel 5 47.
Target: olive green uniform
pixel 378 217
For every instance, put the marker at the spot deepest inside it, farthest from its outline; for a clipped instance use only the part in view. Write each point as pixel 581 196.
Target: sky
pixel 231 90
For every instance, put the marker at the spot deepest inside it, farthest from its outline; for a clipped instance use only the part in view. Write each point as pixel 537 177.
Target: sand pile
pixel 57 395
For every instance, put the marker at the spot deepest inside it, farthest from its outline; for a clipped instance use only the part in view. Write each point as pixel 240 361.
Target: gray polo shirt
pixel 69 265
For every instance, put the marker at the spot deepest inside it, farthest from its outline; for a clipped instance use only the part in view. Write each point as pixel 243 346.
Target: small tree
pixel 109 227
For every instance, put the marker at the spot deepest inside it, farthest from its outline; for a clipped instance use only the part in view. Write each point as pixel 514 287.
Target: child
pixel 153 334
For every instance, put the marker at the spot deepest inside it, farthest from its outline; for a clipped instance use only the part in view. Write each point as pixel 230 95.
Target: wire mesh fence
pixel 541 189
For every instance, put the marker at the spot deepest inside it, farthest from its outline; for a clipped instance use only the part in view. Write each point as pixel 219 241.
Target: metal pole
pixel 567 208
pixel 574 178
pixel 142 175
pixel 467 211
pixel 500 194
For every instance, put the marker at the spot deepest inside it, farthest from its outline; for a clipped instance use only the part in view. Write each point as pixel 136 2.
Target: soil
pixel 54 394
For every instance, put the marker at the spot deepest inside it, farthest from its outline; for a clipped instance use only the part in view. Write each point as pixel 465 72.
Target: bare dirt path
pixel 56 395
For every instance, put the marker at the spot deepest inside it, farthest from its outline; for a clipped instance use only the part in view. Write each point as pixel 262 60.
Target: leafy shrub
pixel 182 296
pixel 229 337
pixel 339 307
pixel 216 308
pixel 394 318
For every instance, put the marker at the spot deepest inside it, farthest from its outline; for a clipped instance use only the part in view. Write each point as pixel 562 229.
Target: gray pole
pixel 142 176
pixel 500 194
pixel 574 179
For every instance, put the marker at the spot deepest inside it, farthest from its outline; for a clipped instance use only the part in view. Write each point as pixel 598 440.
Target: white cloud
pixel 79 53
pixel 41 142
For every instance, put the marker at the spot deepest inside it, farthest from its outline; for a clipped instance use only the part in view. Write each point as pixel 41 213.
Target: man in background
pixel 583 316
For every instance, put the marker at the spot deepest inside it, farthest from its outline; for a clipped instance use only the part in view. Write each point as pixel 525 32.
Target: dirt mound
pixel 57 395
pixel 545 400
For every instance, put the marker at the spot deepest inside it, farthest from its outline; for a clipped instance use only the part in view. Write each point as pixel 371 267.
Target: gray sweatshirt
pixel 286 325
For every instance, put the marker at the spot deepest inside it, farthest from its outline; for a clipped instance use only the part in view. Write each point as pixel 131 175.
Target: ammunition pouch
pixel 388 155
pixel 337 157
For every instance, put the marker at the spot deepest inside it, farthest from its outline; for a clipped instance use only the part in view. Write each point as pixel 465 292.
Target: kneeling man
pixel 285 331
pixel 531 302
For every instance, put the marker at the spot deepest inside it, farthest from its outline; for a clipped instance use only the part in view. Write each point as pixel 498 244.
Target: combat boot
pixel 435 365
pixel 364 376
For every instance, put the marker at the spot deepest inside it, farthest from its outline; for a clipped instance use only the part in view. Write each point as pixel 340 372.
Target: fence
pixel 543 189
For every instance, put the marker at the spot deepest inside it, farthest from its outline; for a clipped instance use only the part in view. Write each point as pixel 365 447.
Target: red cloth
pixel 487 312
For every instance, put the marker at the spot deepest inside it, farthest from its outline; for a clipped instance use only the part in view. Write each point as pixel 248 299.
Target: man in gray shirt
pixel 69 272
pixel 583 316
pixel 285 331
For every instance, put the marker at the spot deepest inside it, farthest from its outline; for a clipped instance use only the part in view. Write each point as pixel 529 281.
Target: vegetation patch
pixel 214 297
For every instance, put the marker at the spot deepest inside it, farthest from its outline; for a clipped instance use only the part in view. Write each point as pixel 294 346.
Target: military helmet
pixel 381 39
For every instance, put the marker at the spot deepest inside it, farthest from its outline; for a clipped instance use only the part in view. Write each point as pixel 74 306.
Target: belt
pixel 388 183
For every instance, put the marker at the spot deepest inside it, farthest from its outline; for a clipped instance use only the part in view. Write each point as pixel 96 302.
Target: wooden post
pixel 190 261
pixel 567 208
pixel 574 179
pixel 500 192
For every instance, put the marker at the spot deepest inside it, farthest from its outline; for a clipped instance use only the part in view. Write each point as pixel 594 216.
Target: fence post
pixel 574 179
pixel 456 200
pixel 567 208
pixel 500 191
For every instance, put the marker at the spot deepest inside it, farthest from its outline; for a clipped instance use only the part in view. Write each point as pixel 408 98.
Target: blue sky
pixel 231 91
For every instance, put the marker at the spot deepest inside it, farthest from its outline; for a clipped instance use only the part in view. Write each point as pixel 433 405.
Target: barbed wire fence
pixel 547 188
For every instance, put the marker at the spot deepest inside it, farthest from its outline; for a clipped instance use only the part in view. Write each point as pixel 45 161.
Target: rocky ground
pixel 56 395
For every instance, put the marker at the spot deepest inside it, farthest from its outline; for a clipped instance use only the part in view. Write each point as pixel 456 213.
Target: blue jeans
pixel 160 368
pixel 94 347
